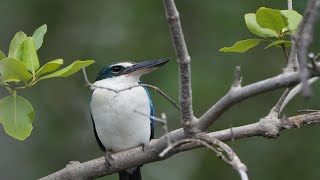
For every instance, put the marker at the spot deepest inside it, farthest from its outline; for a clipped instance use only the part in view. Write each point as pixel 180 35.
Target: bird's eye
pixel 116 69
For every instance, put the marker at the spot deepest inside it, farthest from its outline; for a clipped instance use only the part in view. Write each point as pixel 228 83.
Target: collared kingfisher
pixel 117 125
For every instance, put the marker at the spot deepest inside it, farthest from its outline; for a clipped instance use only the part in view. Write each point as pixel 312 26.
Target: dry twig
pixel 202 139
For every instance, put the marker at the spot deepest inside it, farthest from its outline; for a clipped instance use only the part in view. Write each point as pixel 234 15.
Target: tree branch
pixel 203 139
pixel 234 96
pixel 280 103
pixel 304 38
pixel 233 159
pixel 292 64
pixel 293 92
pixel 137 156
pixel 289 4
pixel 186 111
pixel 237 78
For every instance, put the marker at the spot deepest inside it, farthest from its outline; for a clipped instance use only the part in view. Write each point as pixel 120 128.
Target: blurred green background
pixel 109 31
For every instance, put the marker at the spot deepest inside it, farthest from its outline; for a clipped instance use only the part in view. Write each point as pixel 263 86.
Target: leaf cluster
pixel 271 25
pixel 21 69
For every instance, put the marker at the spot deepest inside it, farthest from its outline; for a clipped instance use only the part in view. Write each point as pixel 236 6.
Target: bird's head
pixel 130 69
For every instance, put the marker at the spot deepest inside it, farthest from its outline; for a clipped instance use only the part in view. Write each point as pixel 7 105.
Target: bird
pixel 123 119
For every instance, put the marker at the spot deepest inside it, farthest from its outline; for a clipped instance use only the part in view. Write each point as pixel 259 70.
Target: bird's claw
pixel 143 146
pixel 109 160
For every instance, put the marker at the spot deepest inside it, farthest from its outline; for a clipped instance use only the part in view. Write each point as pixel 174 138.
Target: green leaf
pixel 15 43
pixel 69 70
pixel 30 57
pixel 16 116
pixel 294 19
pixel 19 52
pixel 278 43
pixel 49 67
pixel 13 70
pixel 38 36
pixel 242 46
pixel 2 55
pixel 271 19
pixel 254 27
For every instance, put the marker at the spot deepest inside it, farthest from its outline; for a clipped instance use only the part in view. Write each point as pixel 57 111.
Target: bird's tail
pixel 134 175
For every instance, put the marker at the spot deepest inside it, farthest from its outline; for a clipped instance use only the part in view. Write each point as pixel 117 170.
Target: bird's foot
pixel 143 146
pixel 109 160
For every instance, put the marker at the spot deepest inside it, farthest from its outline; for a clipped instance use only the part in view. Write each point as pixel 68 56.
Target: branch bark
pixel 137 156
pixel 186 111
pixel 239 94
pixel 303 40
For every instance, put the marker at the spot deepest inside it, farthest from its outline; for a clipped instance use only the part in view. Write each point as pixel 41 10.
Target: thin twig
pixel 234 160
pixel 156 89
pixel 289 4
pixel 285 52
pixel 206 141
pixel 162 120
pixel 165 127
pixel 237 78
pixel 280 102
pixel 293 92
pixel 293 59
pixel 292 64
pixel 192 140
pixel 151 117
pixel 186 111
pixel 307 110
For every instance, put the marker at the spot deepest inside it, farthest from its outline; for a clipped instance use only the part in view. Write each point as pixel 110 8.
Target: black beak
pixel 146 66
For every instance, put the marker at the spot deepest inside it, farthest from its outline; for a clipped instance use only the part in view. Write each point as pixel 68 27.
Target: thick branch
pixel 137 156
pixel 186 111
pixel 235 96
pixel 304 37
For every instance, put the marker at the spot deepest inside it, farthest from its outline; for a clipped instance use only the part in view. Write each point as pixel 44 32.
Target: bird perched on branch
pixel 117 116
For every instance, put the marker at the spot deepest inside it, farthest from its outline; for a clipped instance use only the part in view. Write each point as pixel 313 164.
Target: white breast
pixel 118 126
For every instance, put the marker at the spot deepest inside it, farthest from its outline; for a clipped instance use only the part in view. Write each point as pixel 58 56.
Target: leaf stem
pixel 31 83
pixel 285 52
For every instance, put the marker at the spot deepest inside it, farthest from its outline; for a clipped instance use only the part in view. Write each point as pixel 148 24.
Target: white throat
pixel 118 82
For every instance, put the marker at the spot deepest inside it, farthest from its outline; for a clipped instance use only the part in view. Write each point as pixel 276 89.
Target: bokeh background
pixel 111 31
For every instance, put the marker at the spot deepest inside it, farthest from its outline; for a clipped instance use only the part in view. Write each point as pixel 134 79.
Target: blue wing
pixel 151 114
